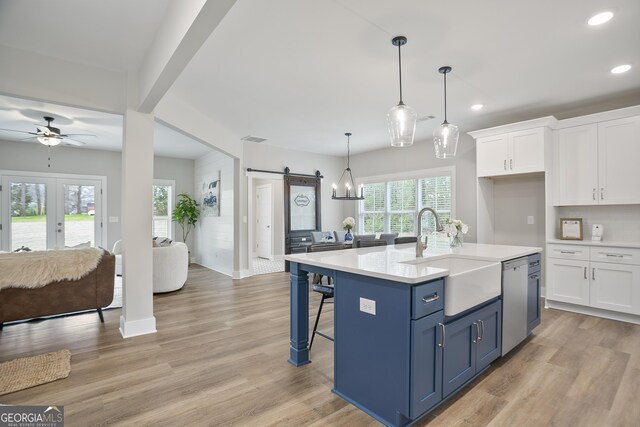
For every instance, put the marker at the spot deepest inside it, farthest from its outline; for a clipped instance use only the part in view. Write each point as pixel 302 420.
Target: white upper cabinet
pixel 511 149
pixel 576 160
pixel 619 161
pixel 598 163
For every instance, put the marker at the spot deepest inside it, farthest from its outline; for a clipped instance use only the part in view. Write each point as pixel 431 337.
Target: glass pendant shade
pixel 50 141
pixel 445 140
pixel 401 120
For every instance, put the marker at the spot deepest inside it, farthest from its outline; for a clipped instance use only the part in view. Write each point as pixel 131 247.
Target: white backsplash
pixel 621 223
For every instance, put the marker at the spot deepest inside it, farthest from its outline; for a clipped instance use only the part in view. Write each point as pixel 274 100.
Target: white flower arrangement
pixel 348 223
pixel 455 226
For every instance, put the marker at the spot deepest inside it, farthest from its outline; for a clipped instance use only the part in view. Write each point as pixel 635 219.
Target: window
pixel 162 208
pixel 391 203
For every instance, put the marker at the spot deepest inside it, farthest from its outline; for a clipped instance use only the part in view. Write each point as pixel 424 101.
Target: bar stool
pixel 325 290
pixel 370 243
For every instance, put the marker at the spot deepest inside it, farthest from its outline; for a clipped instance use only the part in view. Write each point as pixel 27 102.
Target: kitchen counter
pixel 608 243
pixel 399 262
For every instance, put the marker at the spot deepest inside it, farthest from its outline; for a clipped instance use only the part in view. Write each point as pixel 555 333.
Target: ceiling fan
pixel 52 136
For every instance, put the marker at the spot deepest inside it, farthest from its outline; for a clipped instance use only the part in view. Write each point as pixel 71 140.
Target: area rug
pixel 27 372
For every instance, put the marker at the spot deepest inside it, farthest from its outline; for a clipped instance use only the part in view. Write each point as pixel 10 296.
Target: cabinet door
pixel 568 281
pixel 533 301
pixel 426 363
pixel 526 151
pixel 576 165
pixel 615 287
pixel 459 355
pixel 491 155
pixel 489 342
pixel 618 155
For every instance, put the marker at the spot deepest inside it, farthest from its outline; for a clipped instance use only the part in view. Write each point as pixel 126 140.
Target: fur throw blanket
pixel 38 268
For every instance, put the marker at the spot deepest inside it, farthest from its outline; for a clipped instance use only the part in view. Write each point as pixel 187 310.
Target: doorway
pixel 47 211
pixel 266 219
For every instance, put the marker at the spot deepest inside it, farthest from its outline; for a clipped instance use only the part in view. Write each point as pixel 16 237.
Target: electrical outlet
pixel 367 306
pixel 530 219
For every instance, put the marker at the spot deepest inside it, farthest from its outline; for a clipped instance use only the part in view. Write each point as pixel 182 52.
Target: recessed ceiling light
pixel 621 69
pixel 477 106
pixel 600 18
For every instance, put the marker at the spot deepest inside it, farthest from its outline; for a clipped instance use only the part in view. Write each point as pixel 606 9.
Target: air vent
pixel 251 138
pixel 425 118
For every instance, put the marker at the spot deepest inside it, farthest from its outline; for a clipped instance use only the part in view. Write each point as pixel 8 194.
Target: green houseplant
pixel 186 214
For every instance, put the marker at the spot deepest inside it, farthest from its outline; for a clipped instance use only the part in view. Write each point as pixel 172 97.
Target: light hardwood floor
pixel 219 358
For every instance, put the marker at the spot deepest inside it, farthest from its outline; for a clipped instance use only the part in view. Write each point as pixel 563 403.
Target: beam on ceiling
pixel 185 27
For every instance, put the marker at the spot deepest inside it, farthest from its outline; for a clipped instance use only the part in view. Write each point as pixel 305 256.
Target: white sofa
pixel 170 266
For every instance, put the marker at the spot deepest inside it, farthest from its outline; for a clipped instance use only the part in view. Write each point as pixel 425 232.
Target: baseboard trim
pixel 241 274
pixel 591 311
pixel 134 328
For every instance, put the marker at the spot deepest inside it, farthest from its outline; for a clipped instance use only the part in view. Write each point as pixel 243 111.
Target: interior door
pixel 78 212
pixel 263 222
pixel 301 211
pixel 26 205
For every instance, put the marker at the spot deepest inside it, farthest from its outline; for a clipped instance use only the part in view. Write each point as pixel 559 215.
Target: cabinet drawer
pixel 534 263
pixel 427 299
pixel 568 252
pixel 616 255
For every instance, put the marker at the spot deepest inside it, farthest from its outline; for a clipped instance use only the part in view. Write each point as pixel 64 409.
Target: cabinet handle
pixel 432 298
pixel 482 329
pixel 585 273
pixel 593 273
pixel 568 252
pixel 594 193
pixel 442 335
pixel 601 193
pixel 615 255
pixel 505 164
pixel 511 164
pixel 475 340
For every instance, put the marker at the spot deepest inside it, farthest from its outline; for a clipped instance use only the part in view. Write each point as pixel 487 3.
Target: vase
pixel 455 240
pixel 348 237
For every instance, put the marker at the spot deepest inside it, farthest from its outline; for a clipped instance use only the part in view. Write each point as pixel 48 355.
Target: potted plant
pixel 348 224
pixel 186 214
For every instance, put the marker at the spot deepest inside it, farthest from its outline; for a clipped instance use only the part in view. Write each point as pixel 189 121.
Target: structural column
pixel 137 257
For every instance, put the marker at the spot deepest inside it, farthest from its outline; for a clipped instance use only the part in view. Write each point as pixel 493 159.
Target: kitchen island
pixel 408 331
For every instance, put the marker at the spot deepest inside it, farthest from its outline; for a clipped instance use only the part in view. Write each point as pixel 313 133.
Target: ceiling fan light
pixel 445 140
pixel 50 141
pixel 401 120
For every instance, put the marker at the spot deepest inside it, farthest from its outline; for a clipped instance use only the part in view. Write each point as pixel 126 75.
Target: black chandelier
pixel 349 184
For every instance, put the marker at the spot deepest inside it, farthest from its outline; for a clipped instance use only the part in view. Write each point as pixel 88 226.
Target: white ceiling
pixel 25 115
pixel 303 72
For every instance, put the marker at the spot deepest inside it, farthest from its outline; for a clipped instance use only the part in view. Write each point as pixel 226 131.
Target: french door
pixel 46 212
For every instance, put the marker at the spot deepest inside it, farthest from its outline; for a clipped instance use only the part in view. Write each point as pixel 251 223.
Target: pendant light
pixel 445 137
pixel 401 119
pixel 349 184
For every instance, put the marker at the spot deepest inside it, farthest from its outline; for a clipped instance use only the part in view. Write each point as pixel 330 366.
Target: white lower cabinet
pixel 613 285
pixel 568 281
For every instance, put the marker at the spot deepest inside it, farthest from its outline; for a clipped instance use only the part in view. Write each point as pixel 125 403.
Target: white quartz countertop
pixel 614 244
pixel 399 262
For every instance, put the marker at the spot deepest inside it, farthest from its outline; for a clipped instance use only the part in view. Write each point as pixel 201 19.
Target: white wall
pixel 421 156
pixel 516 198
pixel 31 157
pixel 214 243
pixel 621 223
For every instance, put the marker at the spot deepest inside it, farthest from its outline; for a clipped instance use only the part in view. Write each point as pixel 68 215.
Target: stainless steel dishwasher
pixel 514 303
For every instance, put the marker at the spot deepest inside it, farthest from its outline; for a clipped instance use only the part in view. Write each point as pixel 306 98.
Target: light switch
pixel 114 219
pixel 530 219
pixel 368 306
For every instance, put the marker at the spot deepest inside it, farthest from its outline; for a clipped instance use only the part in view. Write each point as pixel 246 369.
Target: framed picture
pixel 571 228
